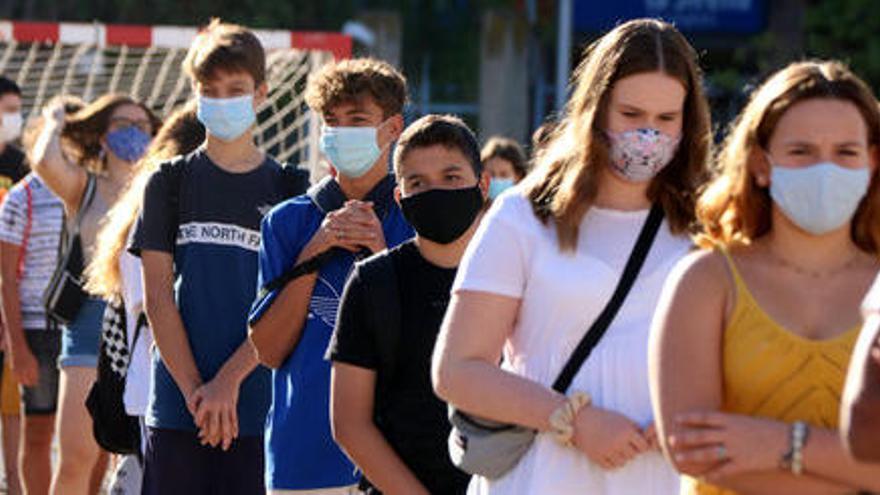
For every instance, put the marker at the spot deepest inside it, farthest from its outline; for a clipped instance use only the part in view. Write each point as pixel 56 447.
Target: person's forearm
pixel 863 435
pixel 277 332
pixel 240 364
pixel 825 456
pixel 369 450
pixel 11 308
pixel 485 390
pixel 826 466
pixel 172 342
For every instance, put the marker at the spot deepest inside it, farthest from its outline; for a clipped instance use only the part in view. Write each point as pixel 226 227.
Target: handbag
pixel 113 428
pixel 64 296
pixel 489 448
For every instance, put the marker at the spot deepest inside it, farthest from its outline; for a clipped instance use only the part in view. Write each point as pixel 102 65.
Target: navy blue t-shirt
pixel 215 262
pixel 300 451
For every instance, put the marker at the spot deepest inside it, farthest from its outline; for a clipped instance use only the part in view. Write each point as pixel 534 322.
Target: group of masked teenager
pixel 702 307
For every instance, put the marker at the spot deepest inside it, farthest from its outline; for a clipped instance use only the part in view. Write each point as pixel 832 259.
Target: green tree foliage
pixel 847 30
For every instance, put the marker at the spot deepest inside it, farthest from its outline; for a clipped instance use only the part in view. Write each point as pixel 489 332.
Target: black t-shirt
pixel 413 419
pixel 12 167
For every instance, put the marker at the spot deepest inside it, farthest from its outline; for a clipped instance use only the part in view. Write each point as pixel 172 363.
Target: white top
pixel 515 255
pixel 41 252
pixel 137 381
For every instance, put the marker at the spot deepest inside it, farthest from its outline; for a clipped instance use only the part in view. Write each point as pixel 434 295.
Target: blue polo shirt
pixel 300 451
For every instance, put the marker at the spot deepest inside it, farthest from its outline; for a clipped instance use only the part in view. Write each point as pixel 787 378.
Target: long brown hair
pixel 566 180
pixel 734 208
pixel 181 134
pixel 84 129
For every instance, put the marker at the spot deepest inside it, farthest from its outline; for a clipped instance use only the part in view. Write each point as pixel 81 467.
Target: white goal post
pixel 88 60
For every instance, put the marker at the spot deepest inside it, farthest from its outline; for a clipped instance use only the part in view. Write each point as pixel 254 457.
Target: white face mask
pixel 10 127
pixel 819 198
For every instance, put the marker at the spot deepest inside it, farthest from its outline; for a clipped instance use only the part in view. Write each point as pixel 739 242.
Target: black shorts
pixel 43 398
pixel 176 463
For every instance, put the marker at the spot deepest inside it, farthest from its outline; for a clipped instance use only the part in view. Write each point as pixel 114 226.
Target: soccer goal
pixel 88 60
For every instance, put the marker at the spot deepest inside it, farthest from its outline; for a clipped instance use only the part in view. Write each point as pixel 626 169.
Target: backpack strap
pixel 380 275
pixel 26 235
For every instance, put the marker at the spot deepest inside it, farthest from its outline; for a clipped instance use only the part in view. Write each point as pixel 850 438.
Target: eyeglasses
pixel 123 122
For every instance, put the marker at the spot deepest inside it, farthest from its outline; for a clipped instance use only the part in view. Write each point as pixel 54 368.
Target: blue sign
pixel 693 16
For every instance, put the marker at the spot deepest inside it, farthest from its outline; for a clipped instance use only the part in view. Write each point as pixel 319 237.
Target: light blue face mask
pixel 819 198
pixel 227 118
pixel 497 185
pixel 352 150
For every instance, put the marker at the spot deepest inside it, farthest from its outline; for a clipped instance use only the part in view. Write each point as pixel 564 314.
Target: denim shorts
pixel 81 339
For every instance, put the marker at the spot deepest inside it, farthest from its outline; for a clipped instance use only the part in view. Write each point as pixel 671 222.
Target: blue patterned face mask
pixel 227 118
pixel 819 198
pixel 128 143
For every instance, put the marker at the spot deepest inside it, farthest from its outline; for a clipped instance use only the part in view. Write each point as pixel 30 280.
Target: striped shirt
pixel 41 253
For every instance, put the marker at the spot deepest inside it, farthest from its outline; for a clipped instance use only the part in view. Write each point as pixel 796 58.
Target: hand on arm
pixel 67 180
pixel 276 333
pixel 166 324
pixel 21 359
pixel 351 412
pixel 737 452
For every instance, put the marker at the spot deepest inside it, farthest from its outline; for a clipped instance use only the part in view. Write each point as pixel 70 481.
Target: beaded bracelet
pixel 793 460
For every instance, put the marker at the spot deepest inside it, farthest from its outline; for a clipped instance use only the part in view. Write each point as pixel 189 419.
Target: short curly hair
pixel 350 80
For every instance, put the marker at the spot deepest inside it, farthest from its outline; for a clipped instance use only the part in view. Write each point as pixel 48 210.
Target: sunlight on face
pixel 435 167
pixel 820 130
pixel 647 100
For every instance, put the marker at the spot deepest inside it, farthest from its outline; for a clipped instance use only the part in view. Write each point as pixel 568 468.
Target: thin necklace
pixel 810 272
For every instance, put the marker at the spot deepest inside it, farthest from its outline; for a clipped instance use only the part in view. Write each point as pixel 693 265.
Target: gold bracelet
pixel 562 419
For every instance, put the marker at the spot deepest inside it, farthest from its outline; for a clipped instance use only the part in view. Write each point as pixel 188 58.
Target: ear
pixel 397 194
pixel 395 126
pixel 759 166
pixel 873 157
pixel 484 185
pixel 260 94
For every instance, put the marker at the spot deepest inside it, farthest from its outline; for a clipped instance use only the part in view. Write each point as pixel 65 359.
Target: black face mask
pixel 443 215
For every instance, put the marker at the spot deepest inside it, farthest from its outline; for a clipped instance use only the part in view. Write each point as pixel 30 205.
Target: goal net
pixel 88 60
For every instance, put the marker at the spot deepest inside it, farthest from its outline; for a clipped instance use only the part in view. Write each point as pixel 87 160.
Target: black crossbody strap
pixel 310 265
pixel 627 279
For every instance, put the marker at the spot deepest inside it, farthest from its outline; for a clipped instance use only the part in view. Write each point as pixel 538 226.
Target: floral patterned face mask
pixel 640 154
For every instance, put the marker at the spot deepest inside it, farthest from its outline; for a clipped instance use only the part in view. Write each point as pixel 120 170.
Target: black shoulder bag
pixel 491 449
pixel 64 296
pixel 112 427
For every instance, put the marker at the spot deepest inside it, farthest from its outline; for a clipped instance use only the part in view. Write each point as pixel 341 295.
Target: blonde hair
pixel 566 179
pixel 181 134
pixel 734 208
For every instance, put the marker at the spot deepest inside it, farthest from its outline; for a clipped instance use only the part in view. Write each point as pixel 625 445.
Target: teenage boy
pixel 198 237
pixel 385 414
pixel 12 169
pixel 347 216
pixel 12 160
